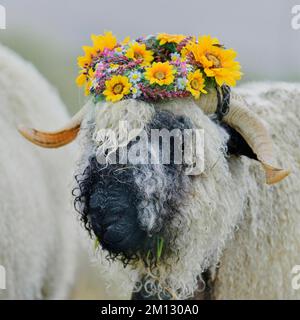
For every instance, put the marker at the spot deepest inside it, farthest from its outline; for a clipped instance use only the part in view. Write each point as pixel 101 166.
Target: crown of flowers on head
pixel 155 67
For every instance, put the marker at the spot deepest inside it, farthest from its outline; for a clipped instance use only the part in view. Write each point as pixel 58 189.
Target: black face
pixel 112 211
pixel 115 207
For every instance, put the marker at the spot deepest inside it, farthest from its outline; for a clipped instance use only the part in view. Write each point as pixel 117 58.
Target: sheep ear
pixel 236 144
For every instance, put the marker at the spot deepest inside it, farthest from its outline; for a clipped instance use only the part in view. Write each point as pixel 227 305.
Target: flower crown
pixel 155 67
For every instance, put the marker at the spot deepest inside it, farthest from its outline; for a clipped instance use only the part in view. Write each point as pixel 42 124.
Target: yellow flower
pixel 195 83
pixel 125 41
pixel 89 51
pixel 205 43
pixel 167 38
pixel 85 78
pixel 216 61
pixel 223 67
pixel 138 51
pixel 84 62
pixel 87 88
pixel 114 66
pixel 81 79
pixel 160 73
pixel 116 88
pixel 90 76
pixel 106 41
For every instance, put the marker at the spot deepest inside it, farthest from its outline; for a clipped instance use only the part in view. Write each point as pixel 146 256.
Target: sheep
pixel 224 229
pixel 258 258
pixel 37 230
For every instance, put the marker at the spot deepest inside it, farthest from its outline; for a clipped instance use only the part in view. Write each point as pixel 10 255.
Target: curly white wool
pixel 235 224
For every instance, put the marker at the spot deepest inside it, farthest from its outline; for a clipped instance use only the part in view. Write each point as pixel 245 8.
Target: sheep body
pixel 37 230
pixel 258 260
pixel 244 231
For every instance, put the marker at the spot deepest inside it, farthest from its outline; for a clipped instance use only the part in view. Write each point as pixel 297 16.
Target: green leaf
pixel 148 255
pixel 96 244
pixel 160 244
pixel 170 46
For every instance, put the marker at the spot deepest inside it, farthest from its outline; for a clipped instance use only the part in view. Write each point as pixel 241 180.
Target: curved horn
pixel 55 139
pixel 248 124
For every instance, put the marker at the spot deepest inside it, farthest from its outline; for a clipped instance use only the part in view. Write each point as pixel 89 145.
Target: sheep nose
pixel 114 220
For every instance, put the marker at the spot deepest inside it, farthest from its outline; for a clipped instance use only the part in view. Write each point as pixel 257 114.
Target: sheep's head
pixel 127 193
pixel 158 213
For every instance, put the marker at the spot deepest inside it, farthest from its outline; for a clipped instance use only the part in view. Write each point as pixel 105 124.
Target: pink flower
pixel 107 53
pixel 100 68
pixel 183 68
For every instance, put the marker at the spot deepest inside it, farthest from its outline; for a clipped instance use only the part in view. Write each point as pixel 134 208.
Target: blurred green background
pixel 50 33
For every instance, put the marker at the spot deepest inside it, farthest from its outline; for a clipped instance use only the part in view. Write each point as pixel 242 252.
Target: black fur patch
pixel 236 144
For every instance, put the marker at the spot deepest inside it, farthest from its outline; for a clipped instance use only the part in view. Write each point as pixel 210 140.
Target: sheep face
pixel 156 214
pixel 128 206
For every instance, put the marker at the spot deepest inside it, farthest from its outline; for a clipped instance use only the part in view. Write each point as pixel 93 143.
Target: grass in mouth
pixel 96 244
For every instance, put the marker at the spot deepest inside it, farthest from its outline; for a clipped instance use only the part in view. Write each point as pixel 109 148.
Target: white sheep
pixel 258 259
pixel 229 222
pixel 37 229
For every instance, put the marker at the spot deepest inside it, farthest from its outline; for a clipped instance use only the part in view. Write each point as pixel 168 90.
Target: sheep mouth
pixel 108 202
pixel 114 221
